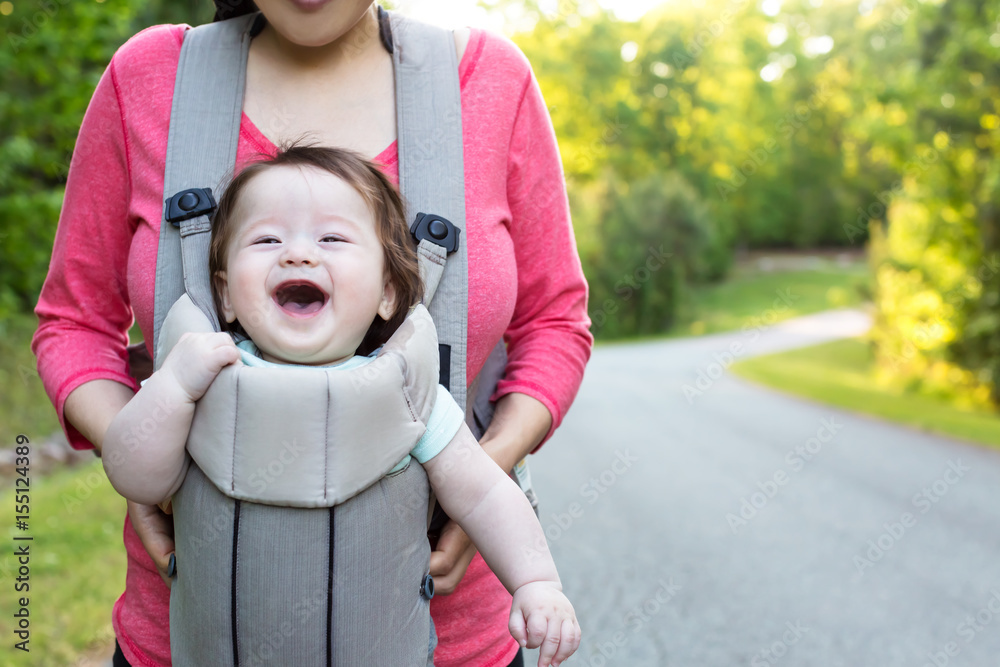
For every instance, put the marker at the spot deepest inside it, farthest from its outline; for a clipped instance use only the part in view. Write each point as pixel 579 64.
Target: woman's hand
pixel 155 529
pixel 519 424
pixel 451 558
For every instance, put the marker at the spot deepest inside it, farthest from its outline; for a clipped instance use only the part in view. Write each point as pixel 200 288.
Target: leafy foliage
pixel 647 241
pixel 937 259
pixel 53 55
pixel 807 125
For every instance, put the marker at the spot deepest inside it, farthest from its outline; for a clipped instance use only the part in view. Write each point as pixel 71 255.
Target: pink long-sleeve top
pixel 525 282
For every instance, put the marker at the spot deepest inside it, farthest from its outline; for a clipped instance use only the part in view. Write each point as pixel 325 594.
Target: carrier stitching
pixel 236 414
pixel 409 404
pixel 329 600
pixel 233 613
pixel 404 371
pixel 326 439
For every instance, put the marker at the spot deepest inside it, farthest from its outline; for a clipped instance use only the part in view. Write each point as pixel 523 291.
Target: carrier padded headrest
pixel 310 437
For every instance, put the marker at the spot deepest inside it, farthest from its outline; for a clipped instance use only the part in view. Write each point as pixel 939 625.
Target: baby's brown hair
pixel 383 201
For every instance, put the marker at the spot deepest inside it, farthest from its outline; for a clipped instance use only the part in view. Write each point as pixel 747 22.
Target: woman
pixel 318 67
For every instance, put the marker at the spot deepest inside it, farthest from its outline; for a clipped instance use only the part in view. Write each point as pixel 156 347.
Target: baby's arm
pixel 497 516
pixel 143 451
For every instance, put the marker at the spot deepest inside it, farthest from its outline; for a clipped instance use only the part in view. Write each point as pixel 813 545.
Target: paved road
pixel 740 526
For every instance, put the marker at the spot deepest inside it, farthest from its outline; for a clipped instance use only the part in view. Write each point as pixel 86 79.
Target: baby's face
pixel 305 269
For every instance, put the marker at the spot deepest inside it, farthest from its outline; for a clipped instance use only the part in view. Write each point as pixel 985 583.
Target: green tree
pixel 51 59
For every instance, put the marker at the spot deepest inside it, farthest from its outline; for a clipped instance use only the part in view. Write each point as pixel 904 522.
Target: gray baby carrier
pixel 292 545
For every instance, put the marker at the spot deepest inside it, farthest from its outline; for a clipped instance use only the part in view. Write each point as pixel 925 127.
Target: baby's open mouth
pixel 299 297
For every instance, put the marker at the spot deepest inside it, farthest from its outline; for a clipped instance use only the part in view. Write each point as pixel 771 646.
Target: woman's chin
pixel 315 23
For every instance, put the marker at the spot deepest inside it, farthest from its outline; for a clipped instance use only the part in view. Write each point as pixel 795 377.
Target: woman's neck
pixel 359 45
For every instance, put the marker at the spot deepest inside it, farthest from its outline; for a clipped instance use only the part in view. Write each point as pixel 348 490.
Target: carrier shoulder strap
pixel 432 176
pixel 201 152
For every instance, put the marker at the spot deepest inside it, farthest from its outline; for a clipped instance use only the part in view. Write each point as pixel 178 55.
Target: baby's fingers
pixel 569 640
pixel 222 351
pixel 537 629
pixel 550 644
pixel 517 628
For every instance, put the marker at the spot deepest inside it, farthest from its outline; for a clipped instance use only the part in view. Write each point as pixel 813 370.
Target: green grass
pixel 24 406
pixel 838 373
pixel 77 563
pixel 753 297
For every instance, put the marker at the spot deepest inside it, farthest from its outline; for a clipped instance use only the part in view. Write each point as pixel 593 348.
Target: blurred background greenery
pixel 847 150
pixel 704 130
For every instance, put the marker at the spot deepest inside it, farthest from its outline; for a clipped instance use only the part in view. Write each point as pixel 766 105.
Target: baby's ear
pixel 387 306
pixel 222 289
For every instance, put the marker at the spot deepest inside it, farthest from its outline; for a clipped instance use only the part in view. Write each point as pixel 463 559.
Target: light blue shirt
pixel 445 420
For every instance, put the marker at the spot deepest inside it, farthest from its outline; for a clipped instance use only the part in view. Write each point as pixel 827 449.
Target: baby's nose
pixel 299 253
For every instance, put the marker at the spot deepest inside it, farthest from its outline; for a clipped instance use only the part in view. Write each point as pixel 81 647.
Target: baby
pixel 312 264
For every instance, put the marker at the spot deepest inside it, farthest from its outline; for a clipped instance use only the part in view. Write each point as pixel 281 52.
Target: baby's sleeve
pixel 445 420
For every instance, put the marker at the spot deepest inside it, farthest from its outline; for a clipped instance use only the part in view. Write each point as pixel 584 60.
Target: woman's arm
pixel 92 406
pixel 520 422
pixel 548 339
pixel 83 310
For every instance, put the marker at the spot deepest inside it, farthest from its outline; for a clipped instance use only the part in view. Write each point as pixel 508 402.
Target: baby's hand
pixel 197 358
pixel 542 616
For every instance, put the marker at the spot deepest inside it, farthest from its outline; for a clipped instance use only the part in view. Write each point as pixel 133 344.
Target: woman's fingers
pixel 156 532
pixel 451 558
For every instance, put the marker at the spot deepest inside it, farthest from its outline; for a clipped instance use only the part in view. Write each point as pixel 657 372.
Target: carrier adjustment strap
pixel 436 238
pixel 431 173
pixel 201 151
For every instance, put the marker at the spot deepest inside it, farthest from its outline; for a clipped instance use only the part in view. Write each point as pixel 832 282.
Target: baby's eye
pixel 332 238
pixel 266 239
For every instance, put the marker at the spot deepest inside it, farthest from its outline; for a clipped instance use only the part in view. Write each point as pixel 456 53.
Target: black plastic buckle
pixel 427 587
pixel 188 204
pixel 437 230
